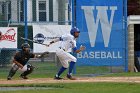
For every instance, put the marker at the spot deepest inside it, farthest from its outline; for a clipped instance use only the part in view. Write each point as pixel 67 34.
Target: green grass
pixel 123 74
pixel 49 69
pixel 42 70
pixel 82 88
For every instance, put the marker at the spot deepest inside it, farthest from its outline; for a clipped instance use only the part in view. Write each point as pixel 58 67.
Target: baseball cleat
pixel 58 78
pixel 70 77
pixel 23 77
pixel 9 78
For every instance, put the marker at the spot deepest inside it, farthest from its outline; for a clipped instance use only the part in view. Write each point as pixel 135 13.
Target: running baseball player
pixel 20 62
pixel 68 41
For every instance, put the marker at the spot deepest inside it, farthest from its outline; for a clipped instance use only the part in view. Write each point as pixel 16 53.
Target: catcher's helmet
pixel 73 30
pixel 25 45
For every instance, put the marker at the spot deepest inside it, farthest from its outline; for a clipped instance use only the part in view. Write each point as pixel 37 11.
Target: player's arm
pixel 17 59
pixel 75 47
pixel 56 40
pixel 18 64
pixel 79 50
pixel 32 55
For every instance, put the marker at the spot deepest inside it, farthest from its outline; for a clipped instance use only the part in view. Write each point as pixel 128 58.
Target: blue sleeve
pixel 74 49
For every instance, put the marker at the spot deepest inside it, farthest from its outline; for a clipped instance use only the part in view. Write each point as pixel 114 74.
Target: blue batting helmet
pixel 73 30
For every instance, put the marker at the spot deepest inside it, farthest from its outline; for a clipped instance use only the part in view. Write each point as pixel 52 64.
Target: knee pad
pixel 14 68
pixel 13 71
pixel 28 71
pixel 30 68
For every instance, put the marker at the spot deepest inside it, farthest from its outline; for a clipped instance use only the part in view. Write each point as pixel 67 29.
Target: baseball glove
pixel 43 54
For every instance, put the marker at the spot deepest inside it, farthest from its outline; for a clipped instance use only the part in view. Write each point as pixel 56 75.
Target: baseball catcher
pixel 68 41
pixel 20 62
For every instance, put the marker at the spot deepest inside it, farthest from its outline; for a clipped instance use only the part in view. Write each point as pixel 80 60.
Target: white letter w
pixel 102 16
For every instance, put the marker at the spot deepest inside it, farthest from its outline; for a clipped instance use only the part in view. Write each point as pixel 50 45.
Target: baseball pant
pixel 65 57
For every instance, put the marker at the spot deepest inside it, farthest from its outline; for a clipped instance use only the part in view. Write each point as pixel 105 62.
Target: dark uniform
pixel 21 62
pixel 22 57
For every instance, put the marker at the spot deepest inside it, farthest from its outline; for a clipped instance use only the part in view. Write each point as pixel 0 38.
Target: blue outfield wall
pixel 103 32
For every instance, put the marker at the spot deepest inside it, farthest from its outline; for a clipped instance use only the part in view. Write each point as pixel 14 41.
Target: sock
pixel 71 67
pixel 62 69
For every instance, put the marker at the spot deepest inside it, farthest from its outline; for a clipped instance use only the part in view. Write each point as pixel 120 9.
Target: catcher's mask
pixel 25 47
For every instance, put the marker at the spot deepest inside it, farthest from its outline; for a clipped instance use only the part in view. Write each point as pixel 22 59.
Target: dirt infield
pixel 84 79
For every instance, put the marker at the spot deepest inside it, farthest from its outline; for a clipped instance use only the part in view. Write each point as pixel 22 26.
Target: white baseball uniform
pixel 67 42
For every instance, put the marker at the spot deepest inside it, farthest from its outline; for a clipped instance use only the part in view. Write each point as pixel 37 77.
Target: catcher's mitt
pixel 43 54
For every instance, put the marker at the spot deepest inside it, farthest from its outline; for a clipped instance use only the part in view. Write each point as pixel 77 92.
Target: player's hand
pixel 47 45
pixel 42 55
pixel 38 56
pixel 51 42
pixel 82 48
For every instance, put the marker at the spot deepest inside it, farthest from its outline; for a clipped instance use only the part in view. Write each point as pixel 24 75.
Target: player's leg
pixel 62 69
pixel 57 76
pixel 64 58
pixel 72 64
pixel 29 69
pixel 61 55
pixel 12 71
pixel 72 61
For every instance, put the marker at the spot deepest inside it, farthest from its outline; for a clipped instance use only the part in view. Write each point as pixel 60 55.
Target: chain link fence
pixel 40 12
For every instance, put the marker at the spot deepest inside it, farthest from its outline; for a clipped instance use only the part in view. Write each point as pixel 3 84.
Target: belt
pixel 62 48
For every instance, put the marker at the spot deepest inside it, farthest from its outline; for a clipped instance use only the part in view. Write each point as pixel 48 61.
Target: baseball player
pixel 68 41
pixel 0 35
pixel 20 62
